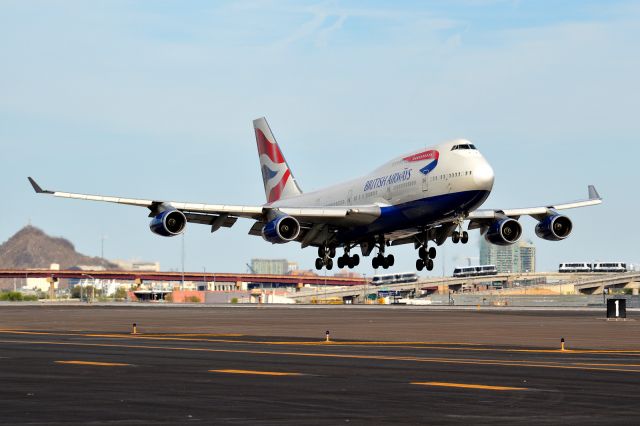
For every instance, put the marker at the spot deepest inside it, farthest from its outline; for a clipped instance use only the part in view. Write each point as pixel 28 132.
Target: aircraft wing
pixel 218 215
pixel 536 212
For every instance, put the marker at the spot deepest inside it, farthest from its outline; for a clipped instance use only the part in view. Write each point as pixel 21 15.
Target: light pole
pixel 102 238
pixel 182 255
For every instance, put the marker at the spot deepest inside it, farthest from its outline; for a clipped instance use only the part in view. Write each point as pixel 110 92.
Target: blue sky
pixel 155 100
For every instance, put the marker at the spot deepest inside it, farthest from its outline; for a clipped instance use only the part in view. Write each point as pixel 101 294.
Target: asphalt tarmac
pixel 104 374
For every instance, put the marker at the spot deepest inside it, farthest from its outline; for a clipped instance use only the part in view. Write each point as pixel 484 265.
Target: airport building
pixel 273 266
pixel 516 258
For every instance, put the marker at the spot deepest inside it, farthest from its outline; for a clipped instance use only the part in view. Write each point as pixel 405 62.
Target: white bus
pixel 575 267
pixel 610 267
pixel 474 271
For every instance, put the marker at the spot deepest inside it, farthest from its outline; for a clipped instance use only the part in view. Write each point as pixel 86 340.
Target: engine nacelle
pixel 281 230
pixel 169 223
pixel 554 228
pixel 504 232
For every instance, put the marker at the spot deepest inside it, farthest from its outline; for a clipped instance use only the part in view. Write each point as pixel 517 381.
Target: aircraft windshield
pixel 463 146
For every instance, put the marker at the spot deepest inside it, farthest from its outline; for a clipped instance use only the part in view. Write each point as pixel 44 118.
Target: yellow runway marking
pixel 388 344
pixel 469 386
pixel 257 373
pixel 508 363
pixel 98 364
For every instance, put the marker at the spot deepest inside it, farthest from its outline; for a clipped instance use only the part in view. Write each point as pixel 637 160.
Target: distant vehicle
pixel 406 277
pixel 575 267
pixel 610 267
pixel 618 267
pixel 474 271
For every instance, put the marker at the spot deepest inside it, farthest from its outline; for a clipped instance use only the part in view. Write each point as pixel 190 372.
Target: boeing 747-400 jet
pixel 421 198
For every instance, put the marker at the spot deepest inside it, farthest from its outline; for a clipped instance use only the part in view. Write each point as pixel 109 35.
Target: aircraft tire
pixel 455 237
pixel 319 263
pixel 329 264
pixel 429 265
pixel 390 260
pixel 422 253
pixel 432 253
pixel 375 263
pixel 419 264
pixel 341 262
pixel 465 237
pixel 355 260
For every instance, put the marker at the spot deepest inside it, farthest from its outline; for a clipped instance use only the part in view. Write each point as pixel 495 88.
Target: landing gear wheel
pixel 319 264
pixel 422 253
pixel 455 237
pixel 341 262
pixel 329 264
pixel 354 261
pixel 385 263
pixel 432 252
pixel 465 237
pixel 419 264
pixel 374 263
pixel 429 265
pixel 390 260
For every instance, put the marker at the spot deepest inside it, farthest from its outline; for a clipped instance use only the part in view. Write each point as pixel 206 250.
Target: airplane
pixel 421 198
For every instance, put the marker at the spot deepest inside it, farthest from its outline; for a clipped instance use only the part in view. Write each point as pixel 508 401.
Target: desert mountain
pixel 32 248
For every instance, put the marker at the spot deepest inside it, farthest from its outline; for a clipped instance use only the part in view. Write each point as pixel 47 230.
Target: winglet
pixel 37 188
pixel 593 193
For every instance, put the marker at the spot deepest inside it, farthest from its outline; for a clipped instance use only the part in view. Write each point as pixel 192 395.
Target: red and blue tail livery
pixel 278 181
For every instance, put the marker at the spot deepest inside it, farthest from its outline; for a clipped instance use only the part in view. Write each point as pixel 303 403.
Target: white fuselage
pixel 398 181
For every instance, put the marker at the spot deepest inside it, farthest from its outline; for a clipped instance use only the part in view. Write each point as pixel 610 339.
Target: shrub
pixel 234 300
pixel 192 299
pixel 11 296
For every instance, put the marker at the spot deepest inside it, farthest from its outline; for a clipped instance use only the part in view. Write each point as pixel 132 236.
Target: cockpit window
pixel 463 146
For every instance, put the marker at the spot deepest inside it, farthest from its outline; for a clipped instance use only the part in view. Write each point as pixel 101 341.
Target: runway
pixel 107 376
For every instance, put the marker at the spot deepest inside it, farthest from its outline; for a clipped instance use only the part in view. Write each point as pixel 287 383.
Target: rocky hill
pixel 32 248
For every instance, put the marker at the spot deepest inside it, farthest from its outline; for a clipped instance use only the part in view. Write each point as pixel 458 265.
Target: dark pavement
pixel 109 376
pixel 171 381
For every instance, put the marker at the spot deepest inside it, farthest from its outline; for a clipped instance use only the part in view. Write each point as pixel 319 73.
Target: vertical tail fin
pixel 279 182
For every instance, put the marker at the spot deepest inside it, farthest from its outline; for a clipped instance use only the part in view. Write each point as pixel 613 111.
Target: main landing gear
pixel 325 257
pixel 425 258
pixel 382 261
pixel 348 260
pixel 327 253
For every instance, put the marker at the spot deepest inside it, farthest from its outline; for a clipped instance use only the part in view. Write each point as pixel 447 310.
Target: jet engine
pixel 554 227
pixel 281 230
pixel 504 232
pixel 169 223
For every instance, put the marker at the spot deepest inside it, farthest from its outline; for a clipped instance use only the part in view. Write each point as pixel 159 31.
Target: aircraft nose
pixel 483 175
